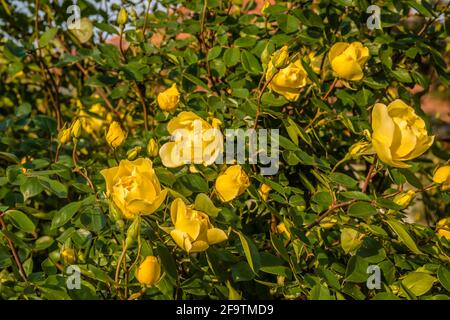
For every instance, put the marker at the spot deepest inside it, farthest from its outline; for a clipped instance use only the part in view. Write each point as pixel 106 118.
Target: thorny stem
pixel 119 263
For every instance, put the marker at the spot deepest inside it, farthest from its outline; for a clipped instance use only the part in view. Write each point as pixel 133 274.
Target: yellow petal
pixel 336 50
pixel 442 174
pixel 215 235
pixel 109 175
pixel 382 125
pixel 199 246
pixel 179 237
pixel 170 155
pixel 347 67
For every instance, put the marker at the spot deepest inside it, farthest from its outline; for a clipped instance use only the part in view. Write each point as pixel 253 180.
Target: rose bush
pixel 112 131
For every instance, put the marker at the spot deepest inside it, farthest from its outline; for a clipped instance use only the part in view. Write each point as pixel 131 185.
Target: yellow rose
pixel 134 187
pixel 149 271
pixel 288 81
pixel 398 133
pixel 195 141
pixel 348 60
pixel 405 198
pixel 115 135
pixel 168 100
pixel 193 231
pixel 443 228
pixel 232 183
pixel 64 136
pixel 315 62
pixel 442 175
pixel 264 190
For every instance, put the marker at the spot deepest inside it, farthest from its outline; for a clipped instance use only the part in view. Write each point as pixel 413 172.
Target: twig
pixel 258 110
pixel 369 175
pixel 330 89
pixel 14 253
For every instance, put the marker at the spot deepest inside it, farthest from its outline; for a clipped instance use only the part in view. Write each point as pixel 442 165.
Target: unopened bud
pixel 133 153
pixel 280 59
pixel 152 148
pixel 122 17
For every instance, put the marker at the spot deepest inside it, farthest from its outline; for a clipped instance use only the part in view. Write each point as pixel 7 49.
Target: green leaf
pixel 320 292
pixel 250 63
pixel 418 283
pixel 47 36
pixel 357 195
pixel 30 188
pixel 21 221
pixel 213 53
pixel 203 203
pixel 343 179
pixel 403 235
pixel 65 214
pixel 231 56
pixel 443 275
pixel 251 252
pixel 53 186
pixel 351 240
pixel 361 210
pixel 356 270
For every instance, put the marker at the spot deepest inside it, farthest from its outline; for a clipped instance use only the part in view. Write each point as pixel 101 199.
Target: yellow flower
pixel 64 136
pixel 152 148
pixel 168 100
pixel 280 58
pixel 315 62
pixel 398 133
pixel 149 271
pixel 443 228
pixel 360 148
pixel 442 175
pixel 288 81
pixel 232 183
pixel 68 255
pixel 115 135
pixel 264 190
pixel 193 231
pixel 195 141
pixel 348 60
pixel 134 187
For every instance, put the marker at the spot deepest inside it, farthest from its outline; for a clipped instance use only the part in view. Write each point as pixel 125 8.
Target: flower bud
pixel 265 57
pixel 149 271
pixel 76 129
pixel 280 59
pixel 122 17
pixel 68 255
pixel 360 149
pixel 133 153
pixel 64 136
pixel 115 136
pixel 264 190
pixel 152 148
pixel 133 232
pixel 442 176
pixel 404 199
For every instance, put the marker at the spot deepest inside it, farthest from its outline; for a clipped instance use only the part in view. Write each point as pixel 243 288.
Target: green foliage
pixel 318 230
